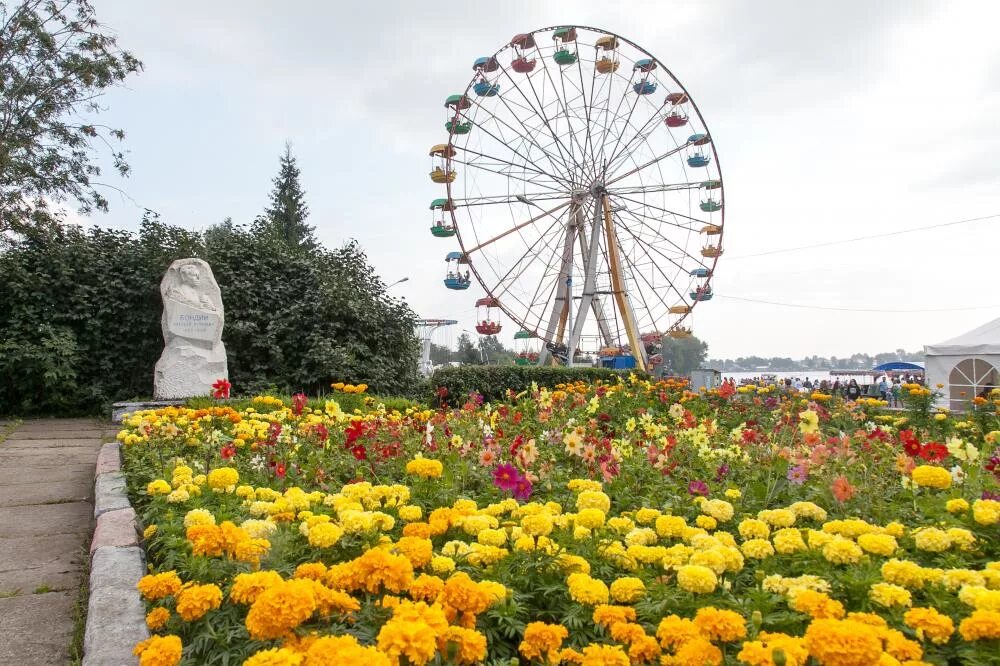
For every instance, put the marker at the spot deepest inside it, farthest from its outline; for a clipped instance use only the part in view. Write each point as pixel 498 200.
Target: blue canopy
pixel 898 365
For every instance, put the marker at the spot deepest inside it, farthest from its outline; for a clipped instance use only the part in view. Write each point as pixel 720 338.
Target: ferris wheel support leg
pixel 589 279
pixel 596 305
pixel 618 286
pixel 560 305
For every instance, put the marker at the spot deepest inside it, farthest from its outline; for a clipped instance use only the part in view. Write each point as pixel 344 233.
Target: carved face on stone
pixel 190 275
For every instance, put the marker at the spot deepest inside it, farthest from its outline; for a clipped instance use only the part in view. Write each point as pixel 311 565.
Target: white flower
pixel 958 475
pixel 258 462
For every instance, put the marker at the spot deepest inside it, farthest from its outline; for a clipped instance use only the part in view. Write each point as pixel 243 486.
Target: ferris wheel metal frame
pixel 593 212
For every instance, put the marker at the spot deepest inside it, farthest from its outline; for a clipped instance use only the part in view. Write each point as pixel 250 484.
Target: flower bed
pixel 594 524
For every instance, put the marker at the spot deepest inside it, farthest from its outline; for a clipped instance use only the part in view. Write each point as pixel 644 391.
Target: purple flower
pixel 721 472
pixel 523 488
pixel 989 495
pixel 798 474
pixel 698 488
pixel 505 477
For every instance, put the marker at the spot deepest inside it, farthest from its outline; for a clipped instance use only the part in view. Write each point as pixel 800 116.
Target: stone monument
pixel 193 356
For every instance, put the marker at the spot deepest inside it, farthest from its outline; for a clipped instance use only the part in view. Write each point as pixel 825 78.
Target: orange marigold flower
pixel 193 601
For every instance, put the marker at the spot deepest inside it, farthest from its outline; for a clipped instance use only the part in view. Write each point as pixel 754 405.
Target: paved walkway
pixel 46 520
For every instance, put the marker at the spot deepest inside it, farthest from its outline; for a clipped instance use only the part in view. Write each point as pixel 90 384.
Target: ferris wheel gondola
pixel 580 208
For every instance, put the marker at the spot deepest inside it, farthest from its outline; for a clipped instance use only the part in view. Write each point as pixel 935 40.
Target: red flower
pixel 221 387
pixel 359 451
pixel 842 489
pixel 934 452
pixel 228 451
pixel 280 470
pixel 912 447
pixel 299 401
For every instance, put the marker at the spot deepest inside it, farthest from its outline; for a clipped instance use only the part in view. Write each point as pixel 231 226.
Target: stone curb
pixel 116 615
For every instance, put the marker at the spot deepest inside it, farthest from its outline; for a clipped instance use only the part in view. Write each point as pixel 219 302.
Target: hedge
pixel 453 385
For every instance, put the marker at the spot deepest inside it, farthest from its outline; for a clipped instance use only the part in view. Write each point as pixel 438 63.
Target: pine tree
pixel 287 213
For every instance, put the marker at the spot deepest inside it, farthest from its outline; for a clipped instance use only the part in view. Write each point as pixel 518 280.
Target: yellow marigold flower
pixel 903 572
pixel 198 517
pixel 604 655
pixel 981 625
pixel 248 586
pixel 414 640
pixel 706 522
pixel 698 651
pixel 957 505
pixel 670 526
pixel 593 499
pixel 762 651
pixel 344 651
pixel 714 559
pixel 590 518
pixel 751 528
pixel 425 468
pixel 757 549
pixel 843 643
pixel 878 544
pixel 417 550
pixel 932 539
pixel 646 516
pixel 930 624
pixel 580 485
pixel 193 601
pixel 815 604
pixel 324 535
pixel 733 493
pixel 275 657
pixel 245 492
pixel 644 649
pixel 573 564
pixel 888 595
pixel 156 618
pixel 586 590
pixel 627 590
pixel 931 476
pixel 542 641
pixel 280 609
pixel 158 487
pixel 724 626
pixel 674 631
pixel 696 579
pixel 223 479
pixel 466 646
pixel 961 537
pixel 156 586
pixel 539 524
pixel 719 509
pixel 606 616
pixel 842 551
pixel 159 651
pixel 178 496
pixel 980 598
pixel 149 531
pixel 986 512
pixel 490 537
pixel 410 513
pixel 442 565
pixel 788 540
pixel 777 517
pixel 808 510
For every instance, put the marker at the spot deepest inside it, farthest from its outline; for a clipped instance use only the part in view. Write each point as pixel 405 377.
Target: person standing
pixel 853 391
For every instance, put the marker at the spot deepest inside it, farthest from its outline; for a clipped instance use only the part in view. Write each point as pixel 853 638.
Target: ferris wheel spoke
pixel 656 234
pixel 627 120
pixel 580 164
pixel 635 271
pixel 533 168
pixel 665 211
pixel 503 142
pixel 507 174
pixel 640 135
pixel 547 236
pixel 508 199
pixel 644 247
pixel 544 214
pixel 650 189
pixel 540 110
pixel 646 165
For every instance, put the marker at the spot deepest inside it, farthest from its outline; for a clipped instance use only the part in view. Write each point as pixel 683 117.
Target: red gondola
pixel 486 324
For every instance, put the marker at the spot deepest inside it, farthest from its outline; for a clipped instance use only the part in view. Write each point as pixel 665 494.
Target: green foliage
pixel 493 382
pixel 56 61
pixel 285 217
pixel 682 355
pixel 80 326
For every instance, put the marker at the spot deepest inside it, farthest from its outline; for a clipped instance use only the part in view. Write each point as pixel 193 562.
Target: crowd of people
pixel 884 388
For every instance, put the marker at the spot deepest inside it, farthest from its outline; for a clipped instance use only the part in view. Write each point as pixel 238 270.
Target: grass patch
pixel 7 594
pixel 6 430
pixel 42 589
pixel 80 612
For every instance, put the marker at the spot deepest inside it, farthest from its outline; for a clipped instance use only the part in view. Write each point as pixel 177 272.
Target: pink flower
pixel 522 490
pixel 221 387
pixel 299 401
pixel 488 457
pixel 505 477
pixel 698 488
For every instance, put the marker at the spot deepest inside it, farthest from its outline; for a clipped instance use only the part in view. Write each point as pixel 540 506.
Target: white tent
pixel 965 365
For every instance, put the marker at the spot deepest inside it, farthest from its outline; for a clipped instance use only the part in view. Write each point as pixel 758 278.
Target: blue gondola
pixel 645 65
pixel 702 294
pixel 458 283
pixel 486 89
pixel 454 256
pixel 700 273
pixel 645 87
pixel 699 139
pixel 485 64
pixel 698 160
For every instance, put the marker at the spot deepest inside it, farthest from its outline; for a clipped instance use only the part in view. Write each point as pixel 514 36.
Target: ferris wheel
pixel 584 190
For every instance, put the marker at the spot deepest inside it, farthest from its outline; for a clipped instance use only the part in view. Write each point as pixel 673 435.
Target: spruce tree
pixel 286 215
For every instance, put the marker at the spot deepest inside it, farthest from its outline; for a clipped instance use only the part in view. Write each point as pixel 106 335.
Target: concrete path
pixel 46 519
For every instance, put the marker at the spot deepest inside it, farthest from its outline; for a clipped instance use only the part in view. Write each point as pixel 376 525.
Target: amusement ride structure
pixel 584 191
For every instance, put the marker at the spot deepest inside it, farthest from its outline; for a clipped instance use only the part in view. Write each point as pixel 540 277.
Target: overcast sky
pixel 830 122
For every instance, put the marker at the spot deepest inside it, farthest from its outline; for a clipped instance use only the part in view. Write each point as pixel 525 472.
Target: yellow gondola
pixel 680 309
pixel 442 150
pixel 439 175
pixel 607 42
pixel 711 229
pixel 679 332
pixel 606 66
pixel 711 251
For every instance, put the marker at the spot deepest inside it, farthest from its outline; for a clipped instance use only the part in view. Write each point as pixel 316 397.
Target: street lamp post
pixel 400 280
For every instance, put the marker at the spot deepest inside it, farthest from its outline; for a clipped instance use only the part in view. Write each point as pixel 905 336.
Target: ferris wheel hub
pixel 598 189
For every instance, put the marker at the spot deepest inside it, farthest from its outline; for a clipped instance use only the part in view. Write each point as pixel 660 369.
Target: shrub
pixel 493 381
